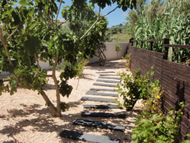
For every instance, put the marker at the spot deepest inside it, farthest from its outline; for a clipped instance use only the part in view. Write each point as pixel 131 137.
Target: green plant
pixel 117 49
pixel 154 126
pixel 127 59
pixel 33 33
pixel 157 20
pixel 80 69
pixel 132 88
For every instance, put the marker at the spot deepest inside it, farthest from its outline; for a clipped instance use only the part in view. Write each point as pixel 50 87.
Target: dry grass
pixel 122 37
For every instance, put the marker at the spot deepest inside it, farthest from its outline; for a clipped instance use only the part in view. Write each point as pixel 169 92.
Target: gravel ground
pixel 24 118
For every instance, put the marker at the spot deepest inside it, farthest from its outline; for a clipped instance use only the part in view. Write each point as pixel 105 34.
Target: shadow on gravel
pixel 42 121
pixel 108 66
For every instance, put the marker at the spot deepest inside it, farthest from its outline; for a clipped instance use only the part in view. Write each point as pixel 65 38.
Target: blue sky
pixel 114 18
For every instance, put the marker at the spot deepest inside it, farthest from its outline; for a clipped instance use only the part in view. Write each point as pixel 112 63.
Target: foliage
pixel 154 126
pixel 132 88
pixel 117 33
pixel 116 29
pixel 117 49
pixel 127 59
pixel 80 67
pixel 169 19
pixel 33 33
pixel 133 15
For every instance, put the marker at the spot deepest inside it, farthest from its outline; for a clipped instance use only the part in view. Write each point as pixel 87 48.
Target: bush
pixel 156 127
pixel 127 59
pixel 131 88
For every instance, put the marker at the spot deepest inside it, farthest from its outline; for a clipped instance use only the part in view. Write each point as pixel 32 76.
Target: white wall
pixel 110 54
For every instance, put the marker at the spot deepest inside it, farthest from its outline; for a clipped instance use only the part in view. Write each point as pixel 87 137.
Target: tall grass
pixel 169 20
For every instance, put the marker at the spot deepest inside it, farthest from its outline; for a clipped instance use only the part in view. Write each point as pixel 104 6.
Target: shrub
pixel 154 126
pixel 131 88
pixel 117 49
pixel 127 59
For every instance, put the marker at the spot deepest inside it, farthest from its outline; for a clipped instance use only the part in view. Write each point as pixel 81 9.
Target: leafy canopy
pixel 31 32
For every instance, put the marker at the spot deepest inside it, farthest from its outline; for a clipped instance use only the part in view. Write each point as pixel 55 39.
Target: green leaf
pixel 23 2
pixel 32 44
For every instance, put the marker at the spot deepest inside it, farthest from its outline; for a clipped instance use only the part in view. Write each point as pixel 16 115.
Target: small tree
pixel 23 46
pixel 117 49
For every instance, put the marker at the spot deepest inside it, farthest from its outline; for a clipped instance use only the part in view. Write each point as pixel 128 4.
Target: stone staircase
pixel 105 93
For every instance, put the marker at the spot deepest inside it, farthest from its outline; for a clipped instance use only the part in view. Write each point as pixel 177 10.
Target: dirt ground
pixel 24 118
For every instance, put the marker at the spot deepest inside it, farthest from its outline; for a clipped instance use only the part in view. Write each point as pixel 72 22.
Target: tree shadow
pixel 42 121
pixel 27 110
pixel 49 86
pixel 84 77
pixel 75 103
pixel 110 64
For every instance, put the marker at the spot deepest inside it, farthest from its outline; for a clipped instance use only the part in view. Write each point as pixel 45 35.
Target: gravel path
pixel 24 118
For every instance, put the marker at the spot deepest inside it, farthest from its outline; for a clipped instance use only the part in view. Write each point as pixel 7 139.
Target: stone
pixel 97 124
pixel 109 106
pixel 87 137
pixel 102 94
pixel 106 72
pixel 103 89
pixel 103 84
pixel 108 77
pixel 85 98
pixel 101 114
pixel 108 81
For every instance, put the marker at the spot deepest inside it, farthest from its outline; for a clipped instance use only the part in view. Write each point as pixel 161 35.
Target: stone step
pixel 109 81
pixel 104 84
pixel 97 124
pixel 101 114
pixel 85 98
pixel 104 89
pixel 87 137
pixel 108 77
pixel 106 74
pixel 109 106
pixel 102 94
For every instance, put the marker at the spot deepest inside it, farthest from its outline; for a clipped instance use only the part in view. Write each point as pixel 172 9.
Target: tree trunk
pixel 49 103
pixel 56 87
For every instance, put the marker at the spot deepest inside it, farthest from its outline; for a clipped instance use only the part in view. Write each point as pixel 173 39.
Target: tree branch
pixel 92 25
pixel 4 44
pixel 62 23
pixel 46 29
pixel 110 11
pixel 38 66
pixel 12 33
pixel 14 75
pixel 58 13
pixel 50 20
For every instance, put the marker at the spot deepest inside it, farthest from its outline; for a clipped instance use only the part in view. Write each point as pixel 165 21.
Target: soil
pixel 24 117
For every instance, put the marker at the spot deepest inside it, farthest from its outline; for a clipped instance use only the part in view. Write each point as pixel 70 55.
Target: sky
pixel 114 18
